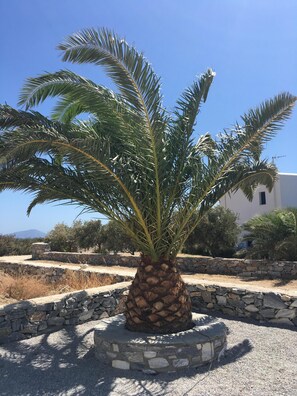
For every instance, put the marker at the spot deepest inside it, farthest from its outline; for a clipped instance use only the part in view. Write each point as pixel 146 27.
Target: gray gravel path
pixel 260 361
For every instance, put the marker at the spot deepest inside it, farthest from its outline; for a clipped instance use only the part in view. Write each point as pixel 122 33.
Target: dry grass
pixel 79 280
pixel 24 287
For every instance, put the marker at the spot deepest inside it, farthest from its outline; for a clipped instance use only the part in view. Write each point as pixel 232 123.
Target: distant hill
pixel 29 234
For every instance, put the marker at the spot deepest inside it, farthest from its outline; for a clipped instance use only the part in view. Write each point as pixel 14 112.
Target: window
pixel 262 198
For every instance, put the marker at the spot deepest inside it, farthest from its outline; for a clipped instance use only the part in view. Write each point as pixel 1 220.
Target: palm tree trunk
pixel 158 301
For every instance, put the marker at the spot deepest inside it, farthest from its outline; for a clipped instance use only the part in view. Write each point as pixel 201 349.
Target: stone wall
pixel 47 314
pixel 188 264
pixel 52 274
pixel 268 307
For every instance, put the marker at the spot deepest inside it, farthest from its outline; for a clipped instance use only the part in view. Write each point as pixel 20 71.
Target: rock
pixel 221 300
pixel 104 315
pixel 156 363
pixel 57 321
pixel 149 354
pixel 30 329
pixel 115 348
pixel 180 362
pixel 209 305
pixel 207 352
pixel 251 308
pixel 294 304
pixel 135 357
pixel 121 364
pixel 206 296
pixel 267 313
pixel 286 298
pixel 37 316
pixel 283 321
pixel 286 313
pixel 86 315
pixel 272 300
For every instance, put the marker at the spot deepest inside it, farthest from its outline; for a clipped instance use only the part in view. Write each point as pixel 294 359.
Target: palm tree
pixel 273 235
pixel 133 161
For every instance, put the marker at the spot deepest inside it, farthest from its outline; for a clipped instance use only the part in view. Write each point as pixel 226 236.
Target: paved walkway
pixel 260 361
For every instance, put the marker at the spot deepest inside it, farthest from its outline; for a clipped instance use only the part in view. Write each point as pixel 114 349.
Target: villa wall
pixel 187 264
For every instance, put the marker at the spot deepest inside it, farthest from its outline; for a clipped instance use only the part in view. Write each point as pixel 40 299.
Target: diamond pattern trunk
pixel 158 301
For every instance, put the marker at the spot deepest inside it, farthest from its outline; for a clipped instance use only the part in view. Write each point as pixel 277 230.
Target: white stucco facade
pixel 283 195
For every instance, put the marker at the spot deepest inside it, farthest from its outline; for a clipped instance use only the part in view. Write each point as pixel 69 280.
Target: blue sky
pixel 251 44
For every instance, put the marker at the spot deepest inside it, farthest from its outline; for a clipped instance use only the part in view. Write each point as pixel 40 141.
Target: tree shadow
pixel 64 363
pixel 276 282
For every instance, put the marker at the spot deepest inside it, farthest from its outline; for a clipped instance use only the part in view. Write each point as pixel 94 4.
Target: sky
pixel 251 45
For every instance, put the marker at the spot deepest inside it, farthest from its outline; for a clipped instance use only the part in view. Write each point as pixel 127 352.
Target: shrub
pixel 11 246
pixel 273 235
pixel 216 234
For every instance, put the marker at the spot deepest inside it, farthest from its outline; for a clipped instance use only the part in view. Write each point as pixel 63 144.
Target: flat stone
pixel 294 304
pixel 135 357
pixel 286 313
pixel 156 363
pixel 104 315
pixel 86 315
pixel 207 352
pixel 30 329
pixel 283 321
pixel 57 321
pixel 272 300
pixel 121 364
pixel 180 362
pixel 251 308
pixel 221 300
pixel 268 313
pixel 206 296
pixel 149 354
pixel 111 355
pixel 285 298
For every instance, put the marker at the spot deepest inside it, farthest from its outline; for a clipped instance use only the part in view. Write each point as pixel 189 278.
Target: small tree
pixel 273 235
pixel 116 239
pixel 62 238
pixel 216 234
pixel 88 234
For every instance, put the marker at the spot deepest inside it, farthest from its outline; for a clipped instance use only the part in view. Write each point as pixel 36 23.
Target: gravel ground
pixel 259 361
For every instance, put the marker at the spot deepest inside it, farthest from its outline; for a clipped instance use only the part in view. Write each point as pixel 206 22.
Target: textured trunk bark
pixel 158 301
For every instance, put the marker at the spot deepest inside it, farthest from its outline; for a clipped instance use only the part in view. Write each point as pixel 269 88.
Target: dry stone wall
pixel 204 265
pixel 47 314
pixel 51 274
pixel 274 308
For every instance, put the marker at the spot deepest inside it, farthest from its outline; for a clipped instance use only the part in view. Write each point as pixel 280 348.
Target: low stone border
pixel 53 273
pixel 204 265
pixel 153 353
pixel 47 314
pixel 274 308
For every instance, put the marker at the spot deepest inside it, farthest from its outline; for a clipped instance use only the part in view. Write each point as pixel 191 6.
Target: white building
pixel 283 195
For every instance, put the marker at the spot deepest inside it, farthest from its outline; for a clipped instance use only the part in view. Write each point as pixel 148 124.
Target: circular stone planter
pixel 154 353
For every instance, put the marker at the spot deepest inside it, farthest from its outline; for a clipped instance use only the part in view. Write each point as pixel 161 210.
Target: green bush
pixel 115 239
pixel 273 235
pixel 12 246
pixel 62 238
pixel 216 234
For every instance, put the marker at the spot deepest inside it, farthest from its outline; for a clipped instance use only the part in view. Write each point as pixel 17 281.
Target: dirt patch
pixel 284 284
pixel 13 289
